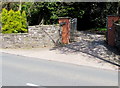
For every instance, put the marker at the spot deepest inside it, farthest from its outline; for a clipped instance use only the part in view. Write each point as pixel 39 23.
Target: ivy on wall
pixel 13 21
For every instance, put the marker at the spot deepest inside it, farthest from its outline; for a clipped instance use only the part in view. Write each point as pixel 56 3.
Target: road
pixel 23 71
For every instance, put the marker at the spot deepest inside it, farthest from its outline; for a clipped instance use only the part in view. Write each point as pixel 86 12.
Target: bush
pixel 14 22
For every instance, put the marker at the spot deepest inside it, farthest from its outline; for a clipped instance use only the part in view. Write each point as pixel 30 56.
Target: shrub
pixel 14 22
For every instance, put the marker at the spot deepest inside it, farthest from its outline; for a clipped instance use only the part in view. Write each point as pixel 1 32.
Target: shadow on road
pixel 94 46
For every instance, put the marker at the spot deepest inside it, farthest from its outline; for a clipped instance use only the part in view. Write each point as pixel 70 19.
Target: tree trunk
pixel 41 19
pixel 8 6
pixel 118 9
pixel 20 5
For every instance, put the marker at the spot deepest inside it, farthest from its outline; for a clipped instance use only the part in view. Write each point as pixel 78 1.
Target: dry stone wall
pixel 38 36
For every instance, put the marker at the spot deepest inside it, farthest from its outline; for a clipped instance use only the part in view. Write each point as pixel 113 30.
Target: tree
pixel 89 15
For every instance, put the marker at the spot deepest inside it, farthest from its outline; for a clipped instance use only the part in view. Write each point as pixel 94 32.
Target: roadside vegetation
pixel 14 21
pixel 90 15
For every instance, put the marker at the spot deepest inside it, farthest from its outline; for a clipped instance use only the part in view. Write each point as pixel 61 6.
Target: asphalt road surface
pixel 26 71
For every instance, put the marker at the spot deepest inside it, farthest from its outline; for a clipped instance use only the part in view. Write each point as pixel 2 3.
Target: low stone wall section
pixel 38 36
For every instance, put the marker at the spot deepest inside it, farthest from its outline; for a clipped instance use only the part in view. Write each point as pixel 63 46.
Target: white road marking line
pixel 30 84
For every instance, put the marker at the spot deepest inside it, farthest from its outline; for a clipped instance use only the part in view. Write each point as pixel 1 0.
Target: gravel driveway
pixel 94 45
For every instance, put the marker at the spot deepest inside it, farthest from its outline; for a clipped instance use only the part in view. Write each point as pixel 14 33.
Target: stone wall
pixel 38 36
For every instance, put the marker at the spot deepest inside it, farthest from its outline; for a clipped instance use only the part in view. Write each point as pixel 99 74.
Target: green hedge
pixel 14 21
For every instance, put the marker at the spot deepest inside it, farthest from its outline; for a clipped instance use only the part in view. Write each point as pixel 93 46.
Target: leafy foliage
pixel 89 15
pixel 14 21
pixel 102 29
pixel 48 12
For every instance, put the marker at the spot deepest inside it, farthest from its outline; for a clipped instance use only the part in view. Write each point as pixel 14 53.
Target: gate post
pixel 111 29
pixel 65 24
